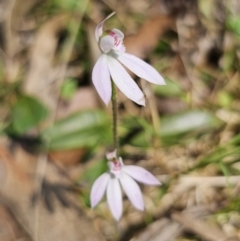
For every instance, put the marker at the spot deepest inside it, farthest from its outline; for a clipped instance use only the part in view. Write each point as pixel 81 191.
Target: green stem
pixel 115 115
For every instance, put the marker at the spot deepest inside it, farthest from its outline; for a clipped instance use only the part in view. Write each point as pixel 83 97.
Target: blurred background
pixel 55 130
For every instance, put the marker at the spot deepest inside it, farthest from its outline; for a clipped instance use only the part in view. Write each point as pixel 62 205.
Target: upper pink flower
pixel 110 64
pixel 110 181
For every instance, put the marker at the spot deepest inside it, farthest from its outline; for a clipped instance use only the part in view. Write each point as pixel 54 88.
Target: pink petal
pixel 114 198
pixel 141 68
pixel 106 43
pixel 99 28
pixel 101 79
pixel 141 175
pixel 132 191
pixel 98 189
pixel 124 81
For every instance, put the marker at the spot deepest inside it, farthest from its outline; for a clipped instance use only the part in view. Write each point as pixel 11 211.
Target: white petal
pixel 99 28
pixel 132 191
pixel 98 189
pixel 124 81
pixel 141 68
pixel 114 198
pixel 106 43
pixel 141 175
pixel 101 79
pixel 118 33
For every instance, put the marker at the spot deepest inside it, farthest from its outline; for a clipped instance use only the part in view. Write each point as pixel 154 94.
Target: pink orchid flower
pixel 110 63
pixel 110 182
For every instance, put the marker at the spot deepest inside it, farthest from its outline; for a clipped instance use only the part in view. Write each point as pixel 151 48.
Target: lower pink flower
pixel 110 182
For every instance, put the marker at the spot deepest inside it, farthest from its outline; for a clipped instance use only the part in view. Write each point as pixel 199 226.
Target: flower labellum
pixel 110 64
pixel 126 176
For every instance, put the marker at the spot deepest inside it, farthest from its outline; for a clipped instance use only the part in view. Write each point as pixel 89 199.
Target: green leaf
pixel 176 126
pixel 225 170
pixel 82 129
pixel 206 8
pixel 68 4
pixel 171 89
pixel 27 113
pixel 143 139
pixel 233 23
pixel 224 98
pixel 69 87
pixel 187 121
pixel 94 171
pixel 218 155
pixel 163 47
pixel 235 140
pixel 229 60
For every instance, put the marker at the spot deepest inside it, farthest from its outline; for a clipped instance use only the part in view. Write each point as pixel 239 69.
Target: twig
pixel 219 181
pixel 202 228
pixel 40 173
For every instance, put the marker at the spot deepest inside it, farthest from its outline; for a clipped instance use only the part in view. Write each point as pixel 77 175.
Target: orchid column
pixel 107 72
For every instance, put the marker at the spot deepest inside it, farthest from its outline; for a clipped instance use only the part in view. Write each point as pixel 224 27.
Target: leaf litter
pixel 197 160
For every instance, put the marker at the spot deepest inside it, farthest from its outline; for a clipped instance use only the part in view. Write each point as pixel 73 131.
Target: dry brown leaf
pixel 18 22
pixel 49 213
pixel 67 157
pixel 83 99
pixel 202 228
pixel 9 228
pixel 148 36
pixel 166 229
pixel 163 229
pixel 37 82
